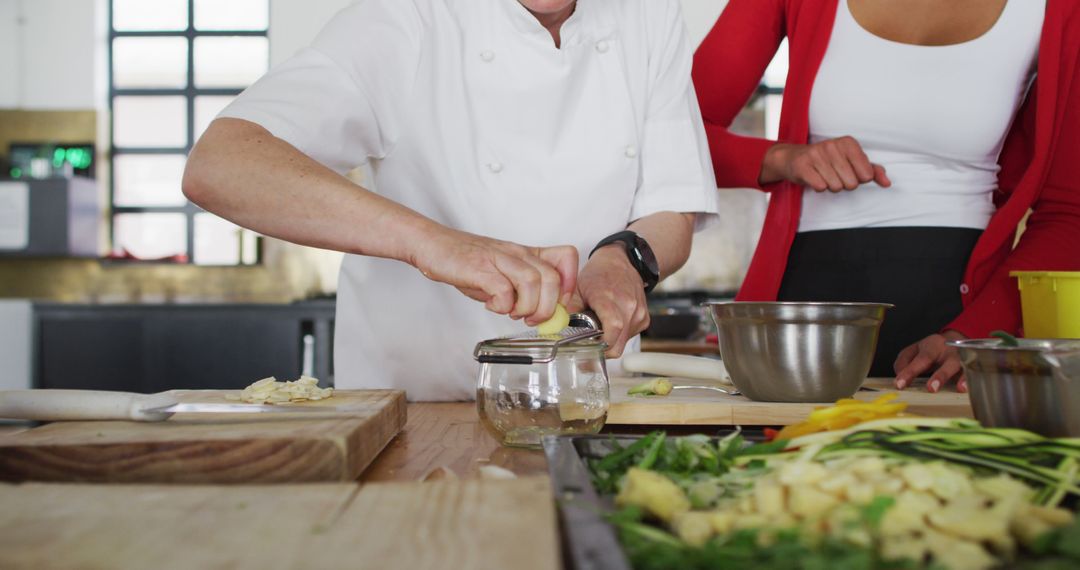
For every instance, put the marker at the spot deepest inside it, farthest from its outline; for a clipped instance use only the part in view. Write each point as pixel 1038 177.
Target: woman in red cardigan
pixel 914 138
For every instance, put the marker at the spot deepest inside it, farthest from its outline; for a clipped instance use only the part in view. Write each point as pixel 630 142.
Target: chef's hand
pixel 834 165
pixel 612 288
pixel 931 353
pixel 523 282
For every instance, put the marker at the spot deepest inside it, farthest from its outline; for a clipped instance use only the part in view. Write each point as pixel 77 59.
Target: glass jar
pixel 520 403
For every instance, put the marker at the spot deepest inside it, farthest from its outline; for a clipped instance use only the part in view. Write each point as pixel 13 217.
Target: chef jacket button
pixel 495 167
pixel 487 56
pixel 964 289
pixel 631 151
pixel 602 46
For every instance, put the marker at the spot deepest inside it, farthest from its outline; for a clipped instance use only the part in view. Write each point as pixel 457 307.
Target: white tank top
pixel 934 116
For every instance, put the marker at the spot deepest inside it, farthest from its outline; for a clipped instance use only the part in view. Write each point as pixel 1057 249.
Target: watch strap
pixel 632 242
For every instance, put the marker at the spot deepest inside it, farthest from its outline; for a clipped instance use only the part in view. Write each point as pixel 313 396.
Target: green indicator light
pixel 16 172
pixel 58 158
pixel 78 157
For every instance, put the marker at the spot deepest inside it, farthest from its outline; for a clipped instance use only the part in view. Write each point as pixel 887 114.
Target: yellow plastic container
pixel 1050 301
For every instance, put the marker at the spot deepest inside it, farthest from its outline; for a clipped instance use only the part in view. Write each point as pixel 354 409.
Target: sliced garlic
pixel 270 391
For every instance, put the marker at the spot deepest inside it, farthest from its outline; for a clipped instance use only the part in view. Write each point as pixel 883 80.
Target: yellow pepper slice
pixel 843 414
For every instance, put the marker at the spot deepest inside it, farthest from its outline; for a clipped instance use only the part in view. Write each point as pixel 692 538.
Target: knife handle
pixel 67 405
pixel 679 365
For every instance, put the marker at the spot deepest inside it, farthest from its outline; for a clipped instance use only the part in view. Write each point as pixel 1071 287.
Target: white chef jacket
pixel 468 113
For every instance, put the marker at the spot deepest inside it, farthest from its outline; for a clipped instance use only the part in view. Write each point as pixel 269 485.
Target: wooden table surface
pixel 448 435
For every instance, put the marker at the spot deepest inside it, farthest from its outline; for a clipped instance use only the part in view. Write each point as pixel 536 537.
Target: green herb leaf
pixel 1006 338
pixel 874 511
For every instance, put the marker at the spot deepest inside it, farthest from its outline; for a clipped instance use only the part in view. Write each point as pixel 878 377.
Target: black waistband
pixel 874 245
pixel 919 270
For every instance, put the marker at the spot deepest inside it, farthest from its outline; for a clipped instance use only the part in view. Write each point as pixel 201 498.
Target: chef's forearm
pixel 241 172
pixel 670 235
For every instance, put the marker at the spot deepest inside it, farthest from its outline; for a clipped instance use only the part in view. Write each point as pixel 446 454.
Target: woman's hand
pixel 523 282
pixel 931 353
pixel 612 288
pixel 834 165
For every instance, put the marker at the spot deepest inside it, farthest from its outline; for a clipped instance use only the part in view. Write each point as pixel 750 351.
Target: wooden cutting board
pixel 212 448
pixel 708 407
pixel 475 524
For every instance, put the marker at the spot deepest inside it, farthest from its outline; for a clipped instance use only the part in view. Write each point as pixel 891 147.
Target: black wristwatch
pixel 640 254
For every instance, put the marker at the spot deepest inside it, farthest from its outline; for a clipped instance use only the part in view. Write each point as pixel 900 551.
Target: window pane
pixel 249 247
pixel 207 109
pixel 150 62
pixel 150 236
pixel 148 180
pixel 150 122
pixel 217 241
pixel 230 61
pixel 232 14
pixel 773 103
pixel 776 72
pixel 150 15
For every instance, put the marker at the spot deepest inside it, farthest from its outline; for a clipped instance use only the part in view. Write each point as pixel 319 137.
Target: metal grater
pixel 508 349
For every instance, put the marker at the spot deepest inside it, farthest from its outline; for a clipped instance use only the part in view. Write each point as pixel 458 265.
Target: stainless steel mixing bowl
pixel 798 352
pixel 1034 386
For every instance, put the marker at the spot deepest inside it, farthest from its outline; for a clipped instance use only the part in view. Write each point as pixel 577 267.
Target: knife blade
pixel 209 408
pixel 51 405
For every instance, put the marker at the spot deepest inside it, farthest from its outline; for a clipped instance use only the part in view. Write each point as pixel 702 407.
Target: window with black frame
pixel 174 65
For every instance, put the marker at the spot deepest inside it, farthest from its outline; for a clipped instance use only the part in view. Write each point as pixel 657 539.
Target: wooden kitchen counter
pixel 448 435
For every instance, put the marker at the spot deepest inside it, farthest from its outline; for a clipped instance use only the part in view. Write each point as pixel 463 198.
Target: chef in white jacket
pixel 508 139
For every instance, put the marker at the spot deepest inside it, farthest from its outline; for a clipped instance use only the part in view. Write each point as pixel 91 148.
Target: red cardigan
pixel 1040 161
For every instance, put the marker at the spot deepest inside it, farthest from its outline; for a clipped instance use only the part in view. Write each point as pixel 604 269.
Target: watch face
pixel 648 258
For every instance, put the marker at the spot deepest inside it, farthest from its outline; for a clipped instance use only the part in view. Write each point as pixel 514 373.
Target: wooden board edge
pixel 105 463
pixel 662 414
pixel 371 445
pixel 716 414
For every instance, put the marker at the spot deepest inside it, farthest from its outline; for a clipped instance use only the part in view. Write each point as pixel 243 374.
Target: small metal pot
pixel 1033 386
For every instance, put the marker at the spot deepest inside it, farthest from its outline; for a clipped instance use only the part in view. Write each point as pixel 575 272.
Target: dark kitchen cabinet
pixel 142 348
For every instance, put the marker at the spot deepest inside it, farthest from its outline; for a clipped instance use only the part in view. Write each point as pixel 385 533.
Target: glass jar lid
pixel 532 348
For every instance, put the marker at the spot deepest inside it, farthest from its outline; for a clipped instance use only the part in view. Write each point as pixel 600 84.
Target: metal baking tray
pixel 589 542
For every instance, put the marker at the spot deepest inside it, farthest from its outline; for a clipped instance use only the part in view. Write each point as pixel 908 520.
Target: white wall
pixel 50 55
pixel 9 53
pixel 294 23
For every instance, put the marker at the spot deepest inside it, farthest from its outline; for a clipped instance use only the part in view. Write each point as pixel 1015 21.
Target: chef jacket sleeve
pixel 342 100
pixel 676 170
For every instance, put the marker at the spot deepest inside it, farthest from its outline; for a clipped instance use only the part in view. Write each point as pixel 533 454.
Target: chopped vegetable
pixel 558 321
pixel 1006 338
pixel 496 472
pixel 655 387
pixel 653 492
pixel 845 413
pixel 270 391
